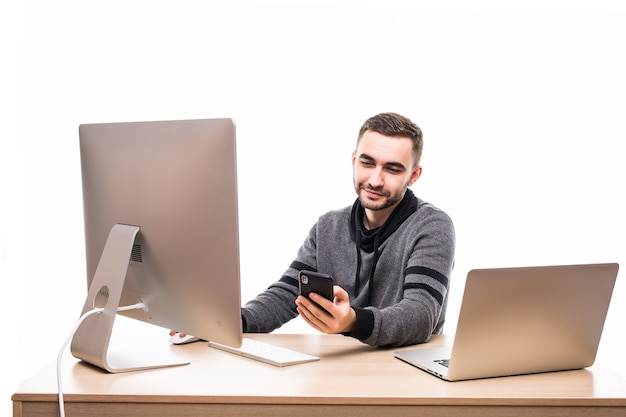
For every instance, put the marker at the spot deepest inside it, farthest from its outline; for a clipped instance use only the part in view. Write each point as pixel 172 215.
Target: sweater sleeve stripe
pixel 288 280
pixel 299 266
pixel 433 292
pixel 420 270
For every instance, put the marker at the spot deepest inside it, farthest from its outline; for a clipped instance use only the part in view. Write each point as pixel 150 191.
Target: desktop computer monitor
pixel 161 228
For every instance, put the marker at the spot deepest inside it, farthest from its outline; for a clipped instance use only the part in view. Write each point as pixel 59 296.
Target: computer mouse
pixel 177 340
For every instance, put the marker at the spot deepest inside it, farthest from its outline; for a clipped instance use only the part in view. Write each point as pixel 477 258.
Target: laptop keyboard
pixel 444 362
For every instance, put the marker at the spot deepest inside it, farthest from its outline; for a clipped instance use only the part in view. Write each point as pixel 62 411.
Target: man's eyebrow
pixel 395 165
pixel 365 156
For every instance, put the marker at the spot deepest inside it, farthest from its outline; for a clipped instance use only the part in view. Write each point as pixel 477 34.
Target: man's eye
pixel 394 169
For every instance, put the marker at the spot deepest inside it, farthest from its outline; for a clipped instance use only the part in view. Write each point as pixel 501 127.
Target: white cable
pixel 69 339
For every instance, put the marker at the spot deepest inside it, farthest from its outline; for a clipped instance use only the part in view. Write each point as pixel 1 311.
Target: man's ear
pixel 417 172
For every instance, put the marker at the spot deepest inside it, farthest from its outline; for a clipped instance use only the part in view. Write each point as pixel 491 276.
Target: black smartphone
pixel 316 282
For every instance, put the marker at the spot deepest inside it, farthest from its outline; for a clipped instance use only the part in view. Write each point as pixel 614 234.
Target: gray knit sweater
pixel 397 279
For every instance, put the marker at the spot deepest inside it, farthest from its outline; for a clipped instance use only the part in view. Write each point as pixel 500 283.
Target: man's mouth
pixel 371 192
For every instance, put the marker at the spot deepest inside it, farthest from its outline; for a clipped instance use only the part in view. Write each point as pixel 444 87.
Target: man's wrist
pixel 351 321
pixel 363 323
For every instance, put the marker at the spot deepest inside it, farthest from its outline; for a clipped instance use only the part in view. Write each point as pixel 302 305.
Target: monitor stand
pixel 90 342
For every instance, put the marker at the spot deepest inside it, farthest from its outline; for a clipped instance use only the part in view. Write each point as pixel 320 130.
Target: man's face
pixel 383 169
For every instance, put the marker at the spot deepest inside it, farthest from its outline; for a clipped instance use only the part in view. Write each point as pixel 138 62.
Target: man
pixel 390 253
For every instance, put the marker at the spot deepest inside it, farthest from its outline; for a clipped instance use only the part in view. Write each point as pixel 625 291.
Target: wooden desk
pixel 351 379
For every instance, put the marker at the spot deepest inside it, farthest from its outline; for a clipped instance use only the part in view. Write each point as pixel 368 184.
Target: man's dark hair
pixel 395 125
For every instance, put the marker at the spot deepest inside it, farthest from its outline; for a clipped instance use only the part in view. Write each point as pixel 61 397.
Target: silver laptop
pixel 524 320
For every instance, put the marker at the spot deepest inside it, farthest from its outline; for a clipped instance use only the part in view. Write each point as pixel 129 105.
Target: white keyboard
pixel 268 353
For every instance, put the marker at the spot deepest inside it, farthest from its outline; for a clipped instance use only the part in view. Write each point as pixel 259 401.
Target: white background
pixel 522 105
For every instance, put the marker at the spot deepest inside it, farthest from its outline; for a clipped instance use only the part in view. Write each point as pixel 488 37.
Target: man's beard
pixel 388 201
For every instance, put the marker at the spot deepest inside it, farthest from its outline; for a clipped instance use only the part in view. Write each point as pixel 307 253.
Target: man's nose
pixel 376 179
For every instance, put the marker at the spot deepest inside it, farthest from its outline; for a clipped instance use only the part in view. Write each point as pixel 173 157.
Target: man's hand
pixel 174 333
pixel 334 317
pixel 179 338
